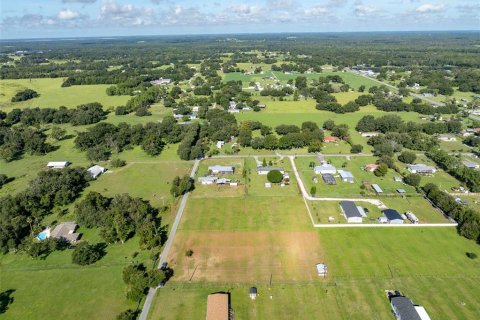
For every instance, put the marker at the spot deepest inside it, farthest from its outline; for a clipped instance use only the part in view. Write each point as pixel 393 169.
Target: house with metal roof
pixel 329 179
pixel 377 188
pixel 393 217
pixel 95 171
pixel 218 307
pixel 404 309
pixel 350 212
pixel 325 168
pixel 346 176
pixel 217 169
pixel 421 169
pixel 58 164
pixel 267 169
pixel 471 164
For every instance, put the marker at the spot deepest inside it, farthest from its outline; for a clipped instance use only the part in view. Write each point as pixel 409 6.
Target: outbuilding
pixel 95 171
pixel 217 169
pixel 58 164
pixel 393 216
pixel 329 179
pixel 350 212
pixel 322 269
pixel 253 293
pixel 207 180
pixel 325 168
pixel 346 176
pixel 265 170
pixel 377 188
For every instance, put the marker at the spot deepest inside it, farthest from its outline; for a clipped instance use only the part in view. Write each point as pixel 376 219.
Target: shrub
pixel 407 157
pixel 413 179
pixel 189 253
pixel 24 95
pixel 117 163
pixel 275 176
pixel 471 255
pixel 85 253
pixel 356 148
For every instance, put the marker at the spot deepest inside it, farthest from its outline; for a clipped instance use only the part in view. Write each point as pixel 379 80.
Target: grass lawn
pixel 58 288
pixel 53 95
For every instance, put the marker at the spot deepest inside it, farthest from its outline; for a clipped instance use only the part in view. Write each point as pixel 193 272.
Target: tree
pixel 3 179
pixel 58 133
pixel 24 95
pixel 153 144
pixel 407 157
pixel 117 163
pixel 413 179
pixel 361 88
pixel 301 82
pixel 271 142
pixel 90 212
pixel 381 171
pixel 313 191
pixel 127 315
pixel 356 148
pixel 328 125
pixel 182 185
pixel 275 176
pixel 85 253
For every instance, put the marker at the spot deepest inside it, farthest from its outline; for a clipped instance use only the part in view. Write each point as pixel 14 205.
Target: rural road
pixel 416 95
pixel 168 245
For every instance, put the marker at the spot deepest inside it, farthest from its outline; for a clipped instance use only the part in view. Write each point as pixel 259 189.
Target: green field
pixel 53 95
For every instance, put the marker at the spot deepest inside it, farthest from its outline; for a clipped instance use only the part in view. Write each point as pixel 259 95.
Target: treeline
pixel 468 219
pixel 120 218
pixel 25 95
pixel 15 141
pixel 396 104
pixel 454 166
pixel 394 123
pixel 20 214
pixel 82 115
pixel 103 139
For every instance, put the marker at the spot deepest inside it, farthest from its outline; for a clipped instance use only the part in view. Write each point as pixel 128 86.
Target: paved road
pixel 416 95
pixel 168 245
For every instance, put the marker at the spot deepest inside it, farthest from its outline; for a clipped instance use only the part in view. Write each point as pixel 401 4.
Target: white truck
pixel 413 218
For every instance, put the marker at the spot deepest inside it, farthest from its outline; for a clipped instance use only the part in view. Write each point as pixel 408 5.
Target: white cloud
pixel 125 14
pixel 243 9
pixel 316 11
pixel 431 8
pixel 67 14
pixel 79 1
pixel 362 10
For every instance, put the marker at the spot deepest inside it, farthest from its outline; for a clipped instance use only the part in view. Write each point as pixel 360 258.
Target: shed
pixel 401 191
pixel 346 176
pixel 329 179
pixel 95 171
pixel 393 216
pixel 322 269
pixel 351 212
pixel 58 164
pixel 217 306
pixel 220 144
pixel 377 188
pixel 397 179
pixel 253 293
pixel 222 181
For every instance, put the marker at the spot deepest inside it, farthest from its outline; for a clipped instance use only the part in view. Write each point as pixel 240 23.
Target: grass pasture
pixel 53 95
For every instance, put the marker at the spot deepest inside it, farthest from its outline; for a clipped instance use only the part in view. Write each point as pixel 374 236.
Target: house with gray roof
pixel 421 169
pixel 267 169
pixel 325 168
pixel 217 169
pixel 58 164
pixel 404 309
pixel 471 164
pixel 95 171
pixel 207 180
pixel 393 217
pixel 66 230
pixel 377 188
pixel 350 212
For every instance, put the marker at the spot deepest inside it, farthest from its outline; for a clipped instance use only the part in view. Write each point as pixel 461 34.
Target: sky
pixel 85 18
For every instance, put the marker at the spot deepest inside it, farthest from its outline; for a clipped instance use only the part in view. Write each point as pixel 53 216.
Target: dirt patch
pixel 246 256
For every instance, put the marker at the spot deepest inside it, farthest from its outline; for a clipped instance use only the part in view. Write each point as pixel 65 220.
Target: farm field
pixel 53 95
pixel 380 259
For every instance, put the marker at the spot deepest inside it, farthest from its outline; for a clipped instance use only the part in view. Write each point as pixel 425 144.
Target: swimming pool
pixel 42 235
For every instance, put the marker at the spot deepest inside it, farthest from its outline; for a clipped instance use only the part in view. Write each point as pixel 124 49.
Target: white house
pixel 95 171
pixel 266 170
pixel 58 164
pixel 421 169
pixel 220 144
pixel 207 180
pixel 325 168
pixel 471 164
pixel 369 134
pixel 161 81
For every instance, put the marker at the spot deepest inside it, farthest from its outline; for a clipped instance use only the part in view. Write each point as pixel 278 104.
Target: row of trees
pixel 82 115
pixel 15 141
pixel 468 219
pixel 25 95
pixel 454 166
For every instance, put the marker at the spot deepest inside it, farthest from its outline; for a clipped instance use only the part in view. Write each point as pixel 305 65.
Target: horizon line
pixel 65 38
